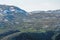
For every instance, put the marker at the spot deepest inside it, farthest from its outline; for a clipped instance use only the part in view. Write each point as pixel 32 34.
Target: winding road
pixel 10 36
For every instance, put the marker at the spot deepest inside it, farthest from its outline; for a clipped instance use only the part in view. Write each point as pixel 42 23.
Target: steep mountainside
pixel 11 17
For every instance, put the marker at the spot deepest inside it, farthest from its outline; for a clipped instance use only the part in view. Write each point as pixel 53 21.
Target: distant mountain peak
pixel 10 16
pixel 8 9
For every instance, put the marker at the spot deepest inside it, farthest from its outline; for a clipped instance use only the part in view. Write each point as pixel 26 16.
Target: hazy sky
pixel 32 5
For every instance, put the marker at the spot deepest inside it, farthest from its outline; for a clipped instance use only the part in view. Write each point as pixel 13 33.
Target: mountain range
pixel 15 20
